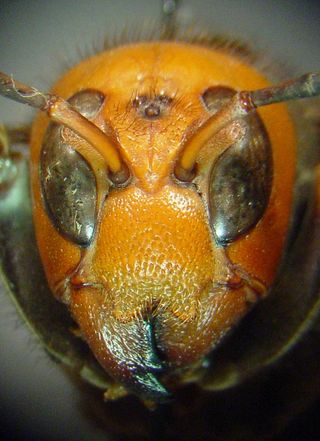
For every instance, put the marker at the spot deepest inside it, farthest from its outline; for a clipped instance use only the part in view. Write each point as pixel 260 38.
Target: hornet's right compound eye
pixel 88 102
pixel 69 188
pixel 68 181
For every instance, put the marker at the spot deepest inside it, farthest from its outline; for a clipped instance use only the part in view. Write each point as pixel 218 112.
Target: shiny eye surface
pixel 214 97
pixel 241 178
pixel 88 102
pixel 69 188
pixel 68 182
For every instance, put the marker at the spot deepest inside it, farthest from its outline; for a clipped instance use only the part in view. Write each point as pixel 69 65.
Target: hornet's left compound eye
pixel 68 182
pixel 241 178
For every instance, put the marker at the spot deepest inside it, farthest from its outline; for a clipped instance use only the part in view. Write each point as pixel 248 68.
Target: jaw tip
pixel 148 387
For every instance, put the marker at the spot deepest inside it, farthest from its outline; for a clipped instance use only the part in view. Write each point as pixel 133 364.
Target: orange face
pixel 156 270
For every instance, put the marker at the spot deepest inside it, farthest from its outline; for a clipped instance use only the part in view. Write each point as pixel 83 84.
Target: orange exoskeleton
pixel 162 199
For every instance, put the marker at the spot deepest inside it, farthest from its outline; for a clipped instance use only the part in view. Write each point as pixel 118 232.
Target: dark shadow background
pixel 38 400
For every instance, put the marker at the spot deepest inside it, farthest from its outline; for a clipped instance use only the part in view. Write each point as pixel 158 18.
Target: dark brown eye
pixel 69 188
pixel 214 97
pixel 241 178
pixel 68 182
pixel 87 102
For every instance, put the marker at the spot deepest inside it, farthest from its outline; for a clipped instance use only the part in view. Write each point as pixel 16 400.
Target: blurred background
pixel 38 399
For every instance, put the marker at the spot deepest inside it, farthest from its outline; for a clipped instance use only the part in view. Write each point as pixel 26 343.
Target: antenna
pixel 239 106
pixel 62 112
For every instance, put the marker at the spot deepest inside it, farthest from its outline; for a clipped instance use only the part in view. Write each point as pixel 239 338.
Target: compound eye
pixel 69 188
pixel 68 182
pixel 215 97
pixel 88 102
pixel 240 181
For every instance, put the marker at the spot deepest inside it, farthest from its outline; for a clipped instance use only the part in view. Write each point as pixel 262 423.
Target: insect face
pixel 267 370
pixel 157 267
